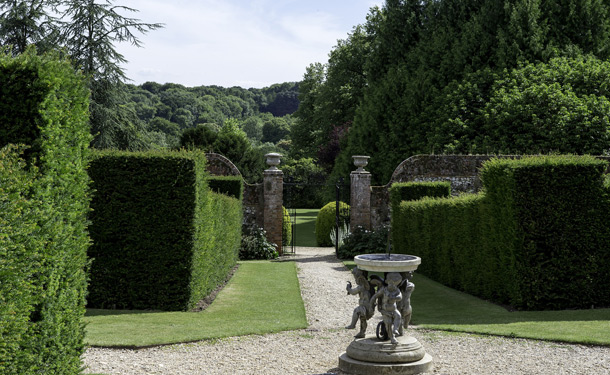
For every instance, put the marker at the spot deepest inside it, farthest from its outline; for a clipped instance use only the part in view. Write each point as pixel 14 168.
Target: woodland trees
pixel 87 31
pixel 129 117
pixel 238 123
pixel 462 76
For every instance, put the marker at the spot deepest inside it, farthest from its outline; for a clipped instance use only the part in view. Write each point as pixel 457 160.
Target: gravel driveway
pixel 315 350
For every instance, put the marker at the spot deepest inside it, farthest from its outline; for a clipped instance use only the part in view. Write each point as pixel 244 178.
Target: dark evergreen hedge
pixel 538 238
pixel 162 239
pixel 410 191
pixel 232 186
pixel 43 214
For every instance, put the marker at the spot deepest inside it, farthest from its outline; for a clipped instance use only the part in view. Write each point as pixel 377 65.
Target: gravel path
pixel 316 349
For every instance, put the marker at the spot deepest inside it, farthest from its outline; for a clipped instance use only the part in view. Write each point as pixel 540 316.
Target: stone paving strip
pixel 315 350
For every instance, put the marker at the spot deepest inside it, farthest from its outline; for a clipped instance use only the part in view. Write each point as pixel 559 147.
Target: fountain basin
pixel 387 262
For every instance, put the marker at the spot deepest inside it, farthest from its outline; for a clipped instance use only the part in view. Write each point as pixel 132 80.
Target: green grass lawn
pixel 436 306
pixel 305 226
pixel 262 297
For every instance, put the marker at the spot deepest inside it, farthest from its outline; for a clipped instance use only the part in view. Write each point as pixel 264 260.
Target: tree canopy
pixel 467 76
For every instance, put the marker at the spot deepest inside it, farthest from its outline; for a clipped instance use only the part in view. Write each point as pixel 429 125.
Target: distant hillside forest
pixel 167 110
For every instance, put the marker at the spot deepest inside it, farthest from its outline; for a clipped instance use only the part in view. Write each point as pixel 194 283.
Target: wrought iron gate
pixel 292 191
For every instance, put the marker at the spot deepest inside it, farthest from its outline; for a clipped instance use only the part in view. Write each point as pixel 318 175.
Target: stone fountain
pixel 391 350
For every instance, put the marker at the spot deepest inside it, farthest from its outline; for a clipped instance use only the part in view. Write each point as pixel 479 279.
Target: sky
pixel 236 42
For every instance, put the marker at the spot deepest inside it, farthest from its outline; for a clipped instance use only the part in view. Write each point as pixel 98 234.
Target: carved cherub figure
pixel 365 309
pixel 404 306
pixel 389 296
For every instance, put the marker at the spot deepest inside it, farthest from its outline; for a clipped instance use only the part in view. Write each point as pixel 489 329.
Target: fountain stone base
pixel 396 353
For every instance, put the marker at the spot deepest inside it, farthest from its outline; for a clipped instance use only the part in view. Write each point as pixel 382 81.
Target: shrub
pixel 162 239
pixel 254 245
pixel 326 220
pixel 233 186
pixel 286 227
pixel 338 234
pixel 409 191
pixel 43 226
pixel 363 241
pixel 19 260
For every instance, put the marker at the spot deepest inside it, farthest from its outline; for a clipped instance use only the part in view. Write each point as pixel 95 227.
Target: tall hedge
pixel 408 191
pixel 44 204
pixel 161 238
pixel 537 238
pixel 232 186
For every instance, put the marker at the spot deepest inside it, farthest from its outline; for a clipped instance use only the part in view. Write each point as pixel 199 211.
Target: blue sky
pixel 237 43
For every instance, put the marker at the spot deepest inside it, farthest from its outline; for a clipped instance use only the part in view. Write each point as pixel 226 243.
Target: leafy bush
pixel 233 186
pixel 409 191
pixel 363 241
pixel 286 228
pixel 44 204
pixel 326 220
pixel 162 239
pixel 19 260
pixel 254 245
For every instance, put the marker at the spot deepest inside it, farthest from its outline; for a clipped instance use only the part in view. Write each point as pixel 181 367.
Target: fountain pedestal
pixel 391 350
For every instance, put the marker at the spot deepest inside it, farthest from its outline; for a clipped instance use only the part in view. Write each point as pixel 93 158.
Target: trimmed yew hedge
pixel 44 201
pixel 161 238
pixel 410 191
pixel 537 238
pixel 233 186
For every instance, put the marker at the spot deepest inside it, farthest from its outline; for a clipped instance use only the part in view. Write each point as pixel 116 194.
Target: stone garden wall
pixel 262 202
pixel 460 170
pixel 253 203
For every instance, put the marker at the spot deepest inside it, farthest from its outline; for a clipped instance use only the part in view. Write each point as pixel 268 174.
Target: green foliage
pixel 233 186
pixel 90 32
pixel 410 191
pixel 453 76
pixel 19 261
pixel 45 202
pixel 25 23
pixel 537 238
pixel 559 106
pixel 326 220
pixel 203 136
pixel 286 227
pixel 276 128
pixel 162 239
pixel 189 107
pixel 305 177
pixel 87 32
pixel 230 141
pixel 330 94
pixel 254 245
pixel 363 241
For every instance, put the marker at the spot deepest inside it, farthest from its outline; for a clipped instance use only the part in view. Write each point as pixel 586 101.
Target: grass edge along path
pixel 436 306
pixel 262 297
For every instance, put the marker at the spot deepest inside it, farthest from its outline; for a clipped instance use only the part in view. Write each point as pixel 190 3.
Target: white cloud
pixel 229 43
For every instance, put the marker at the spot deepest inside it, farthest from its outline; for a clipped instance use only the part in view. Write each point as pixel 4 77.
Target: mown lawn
pixel 262 297
pixel 305 226
pixel 436 306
